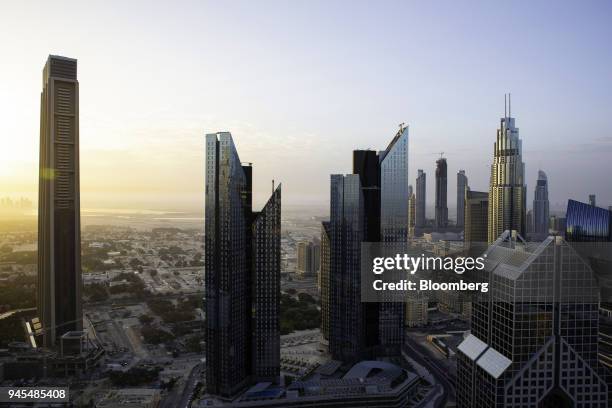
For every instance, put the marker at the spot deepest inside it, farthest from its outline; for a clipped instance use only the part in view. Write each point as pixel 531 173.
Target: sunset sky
pixel 302 84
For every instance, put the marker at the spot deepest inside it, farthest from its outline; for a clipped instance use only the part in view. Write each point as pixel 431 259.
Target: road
pixel 182 399
pixel 421 355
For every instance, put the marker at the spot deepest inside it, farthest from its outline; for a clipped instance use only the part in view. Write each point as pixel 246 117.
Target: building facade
pixel 242 274
pixel 507 190
pixel 533 340
pixel 462 184
pixel 59 222
pixel 324 279
pixel 441 193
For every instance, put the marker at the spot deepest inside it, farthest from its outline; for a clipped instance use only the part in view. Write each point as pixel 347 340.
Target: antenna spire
pixel 509 105
pixel 505 105
pixel 272 186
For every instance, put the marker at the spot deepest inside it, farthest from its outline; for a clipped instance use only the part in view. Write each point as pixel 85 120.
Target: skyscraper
pixel 441 194
pixel 476 219
pixel 370 205
pixel 347 334
pixel 394 182
pixel 507 190
pixel 589 232
pixel 593 200
pixel 541 205
pixel 308 256
pixel 59 222
pixel 462 183
pixel 242 274
pixel 533 340
pixel 421 192
pixel 265 306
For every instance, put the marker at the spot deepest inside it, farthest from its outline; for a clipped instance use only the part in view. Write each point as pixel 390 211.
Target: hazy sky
pixel 300 84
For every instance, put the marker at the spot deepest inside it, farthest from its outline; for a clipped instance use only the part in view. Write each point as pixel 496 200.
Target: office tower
pixel 421 191
pixel 476 219
pixel 346 232
pixel 324 278
pixel 507 190
pixel 541 205
pixel 394 183
pixel 411 215
pixel 592 200
pixel 462 184
pixel 589 231
pixel 308 254
pixel 533 340
pixel 242 265
pixel 59 222
pixel 370 205
pixel 441 202
pixel 394 188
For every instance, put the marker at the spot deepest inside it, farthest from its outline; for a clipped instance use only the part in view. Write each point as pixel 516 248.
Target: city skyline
pixel 166 124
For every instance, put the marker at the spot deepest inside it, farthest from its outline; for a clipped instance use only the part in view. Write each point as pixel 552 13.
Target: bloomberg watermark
pixel 391 271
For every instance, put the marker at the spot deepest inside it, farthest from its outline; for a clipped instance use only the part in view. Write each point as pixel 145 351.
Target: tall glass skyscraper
pixel 421 192
pixel 541 205
pixel 59 220
pixel 347 318
pixel 462 183
pixel 441 193
pixel 507 190
pixel 370 205
pixel 394 184
pixel 394 194
pixel 242 274
pixel 533 340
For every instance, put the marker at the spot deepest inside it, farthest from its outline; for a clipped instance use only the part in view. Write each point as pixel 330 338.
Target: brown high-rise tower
pixel 59 226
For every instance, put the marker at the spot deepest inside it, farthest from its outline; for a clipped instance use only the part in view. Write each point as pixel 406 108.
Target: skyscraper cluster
pixel 369 205
pixel 534 335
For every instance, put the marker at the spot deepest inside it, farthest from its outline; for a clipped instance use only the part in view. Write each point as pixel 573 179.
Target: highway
pixel 421 355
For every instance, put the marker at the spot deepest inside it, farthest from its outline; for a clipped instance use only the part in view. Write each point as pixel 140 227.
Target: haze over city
pixel 300 85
